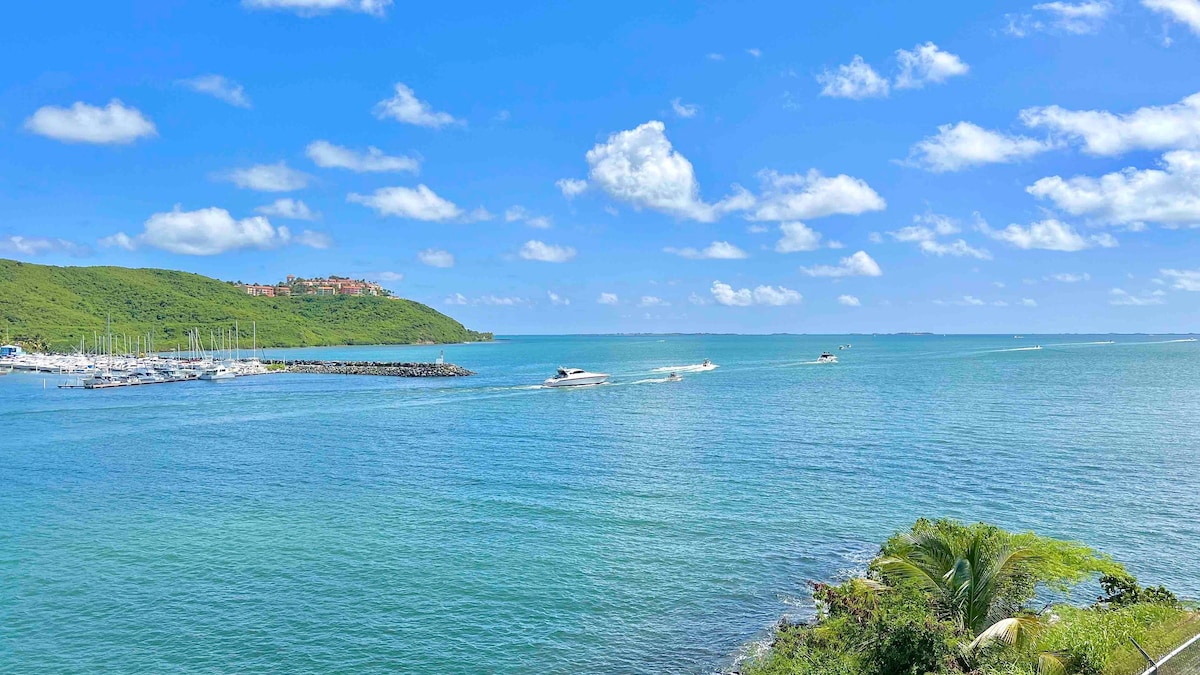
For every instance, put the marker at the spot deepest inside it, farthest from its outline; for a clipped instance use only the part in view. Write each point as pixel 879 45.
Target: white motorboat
pixel 826 357
pixel 674 377
pixel 217 372
pixel 575 377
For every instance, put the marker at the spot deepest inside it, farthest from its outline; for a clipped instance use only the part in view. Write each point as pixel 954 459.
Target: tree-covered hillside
pixel 60 305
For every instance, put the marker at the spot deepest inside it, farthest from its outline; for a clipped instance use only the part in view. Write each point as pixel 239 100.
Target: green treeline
pixel 946 597
pixel 54 307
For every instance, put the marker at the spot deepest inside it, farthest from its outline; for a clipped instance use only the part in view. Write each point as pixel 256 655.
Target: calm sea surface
pixel 330 524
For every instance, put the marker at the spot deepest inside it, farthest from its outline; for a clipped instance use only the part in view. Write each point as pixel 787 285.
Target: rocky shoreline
pixel 389 369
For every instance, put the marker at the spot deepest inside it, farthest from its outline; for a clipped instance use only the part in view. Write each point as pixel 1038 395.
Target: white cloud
pixel 652 301
pixel 1069 278
pixel 1186 12
pixel 960 146
pixel 219 87
pixel 857 265
pixel 958 248
pixel 849 300
pixel 498 301
pixel 1080 18
pixel 536 250
pixel 556 299
pixel 812 195
pixel 288 208
pixel 1170 196
pixel 762 295
pixel 925 236
pixel 1183 280
pixel 755 52
pixel 855 80
pixel 518 213
pixel 684 109
pixel 571 187
pixel 697 299
pixel 1118 296
pixel 435 257
pixel 1028 302
pixel 418 203
pixel 515 213
pixel 941 224
pixel 718 250
pixel 927 63
pixel 268 178
pixel 32 246
pixel 390 276
pixel 313 239
pixel 714 56
pixel 407 108
pixel 119 240
pixel 308 8
pixel 83 123
pixel 640 167
pixel 1175 126
pixel 457 299
pixel 329 156
pixel 608 299
pixel 797 237
pixel 1049 235
pixel 211 231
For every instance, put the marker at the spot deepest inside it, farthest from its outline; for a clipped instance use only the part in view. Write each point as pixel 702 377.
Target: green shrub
pixel 1089 639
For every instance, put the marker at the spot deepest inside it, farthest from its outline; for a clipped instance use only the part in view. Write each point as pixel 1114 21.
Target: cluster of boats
pixel 156 370
pixel 578 377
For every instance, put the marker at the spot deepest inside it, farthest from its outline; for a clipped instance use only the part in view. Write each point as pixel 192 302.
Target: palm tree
pixel 966 574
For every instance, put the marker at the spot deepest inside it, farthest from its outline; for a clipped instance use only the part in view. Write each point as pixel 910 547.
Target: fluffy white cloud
pixel 849 300
pixel 718 250
pixel 268 178
pixel 927 63
pixel 1170 196
pixel 1028 302
pixel 119 240
pixel 1070 278
pixel 520 214
pixel 858 265
pixel 536 250
pixel 684 109
pixel 652 301
pixel 755 52
pixel 797 237
pixel 435 257
pixel 556 299
pixel 856 80
pixel 639 166
pixel 714 56
pixel 32 246
pixel 965 301
pixel 608 299
pixel 1183 280
pixel 812 195
pixel 211 231
pixel 313 239
pixel 407 108
pixel 925 234
pixel 958 248
pixel 288 208
pixel 571 187
pixel 498 301
pixel 1186 12
pixel 327 155
pixel 390 276
pixel 1119 296
pixel 1175 126
pixel 307 8
pixel 419 203
pixel 219 87
pixel 960 146
pixel 1049 235
pixel 457 299
pixel 1077 17
pixel 762 295
pixel 82 123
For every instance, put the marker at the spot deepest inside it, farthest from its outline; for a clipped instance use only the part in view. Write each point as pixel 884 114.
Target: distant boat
pixel 674 377
pixel 826 357
pixel 575 377
pixel 217 372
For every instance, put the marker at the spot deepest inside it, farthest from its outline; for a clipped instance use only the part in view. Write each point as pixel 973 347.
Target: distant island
pixel 56 308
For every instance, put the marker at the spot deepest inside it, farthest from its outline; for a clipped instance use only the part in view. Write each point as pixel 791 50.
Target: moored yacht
pixel 217 372
pixel 575 377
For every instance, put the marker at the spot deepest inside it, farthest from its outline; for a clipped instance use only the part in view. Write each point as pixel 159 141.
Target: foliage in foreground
pixel 46 307
pixel 946 597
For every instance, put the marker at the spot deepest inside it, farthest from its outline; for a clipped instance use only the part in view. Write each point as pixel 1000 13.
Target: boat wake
pixel 1017 349
pixel 653 380
pixel 694 368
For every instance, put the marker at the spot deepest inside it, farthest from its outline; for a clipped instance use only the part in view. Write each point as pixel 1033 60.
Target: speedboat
pixel 217 372
pixel 826 357
pixel 674 377
pixel 575 377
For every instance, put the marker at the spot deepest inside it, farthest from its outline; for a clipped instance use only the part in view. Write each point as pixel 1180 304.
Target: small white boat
pixel 218 372
pixel 826 357
pixel 674 377
pixel 575 377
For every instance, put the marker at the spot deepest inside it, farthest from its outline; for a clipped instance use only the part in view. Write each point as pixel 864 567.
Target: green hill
pixel 57 306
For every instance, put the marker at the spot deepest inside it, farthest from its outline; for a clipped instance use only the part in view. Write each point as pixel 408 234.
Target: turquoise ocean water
pixel 328 524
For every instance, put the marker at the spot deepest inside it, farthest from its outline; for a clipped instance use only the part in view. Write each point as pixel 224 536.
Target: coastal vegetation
pixel 45 307
pixel 947 597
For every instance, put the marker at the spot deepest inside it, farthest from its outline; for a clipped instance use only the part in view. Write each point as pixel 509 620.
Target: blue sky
pixel 799 167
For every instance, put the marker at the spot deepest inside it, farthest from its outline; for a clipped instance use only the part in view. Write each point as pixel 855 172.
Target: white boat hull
pixel 595 378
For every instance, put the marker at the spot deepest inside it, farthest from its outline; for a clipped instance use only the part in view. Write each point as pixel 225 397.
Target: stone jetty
pixel 377 368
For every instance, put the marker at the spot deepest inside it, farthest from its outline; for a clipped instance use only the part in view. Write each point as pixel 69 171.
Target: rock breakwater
pixel 377 368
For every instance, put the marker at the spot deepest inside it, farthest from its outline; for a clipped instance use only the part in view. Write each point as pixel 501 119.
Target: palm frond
pixel 1013 630
pixel 1052 663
